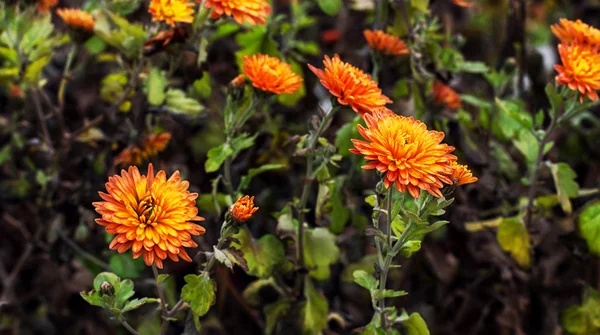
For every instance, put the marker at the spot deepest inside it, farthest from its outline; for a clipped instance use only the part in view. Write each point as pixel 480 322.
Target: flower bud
pixel 241 210
pixel 107 289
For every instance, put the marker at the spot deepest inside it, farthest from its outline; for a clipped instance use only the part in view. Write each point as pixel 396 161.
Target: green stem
pixel 390 202
pixel 163 304
pixel 65 77
pixel 213 259
pixel 312 142
pixel 128 326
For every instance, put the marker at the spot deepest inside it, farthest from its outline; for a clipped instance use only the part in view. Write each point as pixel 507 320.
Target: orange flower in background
pixel 243 209
pixel 77 19
pixel 580 69
pixel 172 11
pixel 270 74
pixel 252 11
pixel 576 32
pixel 330 36
pixel 411 156
pixel 462 3
pixel 150 146
pixel 238 81
pixel 350 85
pixel 43 6
pixel 445 95
pixel 385 43
pixel 150 215
pixel 462 175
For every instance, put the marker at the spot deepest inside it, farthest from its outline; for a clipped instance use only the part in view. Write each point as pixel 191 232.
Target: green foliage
pixel 245 181
pixel 414 324
pixel 583 319
pixel 155 87
pixel 178 102
pixel 330 7
pixel 514 239
pixel 199 292
pixel 320 251
pixel 125 266
pixel 262 256
pixel 258 39
pixel 589 226
pixel 314 311
pixel 566 186
pixel 116 31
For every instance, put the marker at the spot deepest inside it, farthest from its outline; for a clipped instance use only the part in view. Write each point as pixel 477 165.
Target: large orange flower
pixel 445 95
pixel 580 69
pixel 150 215
pixel 171 11
pixel 576 32
pixel 151 146
pixel 77 19
pixel 252 11
pixel 462 3
pixel 350 85
pixel 270 74
pixel 411 156
pixel 462 175
pixel 386 44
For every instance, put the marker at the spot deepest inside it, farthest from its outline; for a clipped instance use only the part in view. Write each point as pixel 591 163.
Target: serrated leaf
pixel 314 311
pixel 589 226
pixel 514 239
pixel 330 7
pixel 222 258
pixel 93 298
pixel 366 280
pixel 566 186
pixel 216 157
pixel 262 256
pixel 156 85
pixel 134 304
pixel 199 293
pixel 123 293
pixel 320 251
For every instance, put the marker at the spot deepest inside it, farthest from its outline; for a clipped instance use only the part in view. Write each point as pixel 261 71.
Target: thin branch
pixel 82 252
pixel 40 117
pixel 128 326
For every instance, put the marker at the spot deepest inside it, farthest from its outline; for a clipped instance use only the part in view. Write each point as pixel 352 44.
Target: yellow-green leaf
pixel 514 239
pixel 566 186
pixel 199 292
pixel 589 226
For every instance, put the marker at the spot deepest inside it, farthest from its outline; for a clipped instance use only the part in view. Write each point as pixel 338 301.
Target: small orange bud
pixel 238 81
pixel 243 209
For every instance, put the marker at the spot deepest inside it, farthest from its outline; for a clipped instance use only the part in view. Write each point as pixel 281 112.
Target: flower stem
pixel 65 77
pixel 128 326
pixel 312 142
pixel 163 303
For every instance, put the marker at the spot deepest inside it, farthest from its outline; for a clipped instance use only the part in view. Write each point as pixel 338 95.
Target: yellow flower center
pixel 148 210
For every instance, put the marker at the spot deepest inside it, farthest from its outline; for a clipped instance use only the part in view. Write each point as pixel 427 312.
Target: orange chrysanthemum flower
pixel 252 11
pixel 243 209
pixel 43 6
pixel 151 146
pixel 171 11
pixel 350 85
pixel 77 19
pixel 445 95
pixel 385 43
pixel 238 81
pixel 462 175
pixel 462 3
pixel 580 69
pixel 411 156
pixel 150 215
pixel 576 32
pixel 270 74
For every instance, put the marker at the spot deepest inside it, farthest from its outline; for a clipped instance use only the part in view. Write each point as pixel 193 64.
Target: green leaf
pixel 254 41
pixel 241 142
pixel 134 304
pixel 556 100
pixel 473 67
pixel 330 7
pixel 409 248
pixel 123 293
pixel 262 255
pixel 566 186
pixel 344 135
pixel 273 313
pixel 420 5
pixel 123 265
pixel 389 294
pixel 314 311
pixel 5 153
pixel 93 298
pixel 320 251
pixel 366 280
pixel 222 258
pixel 583 319
pixel 202 86
pixel 309 47
pixel 365 264
pixel 415 325
pixel 161 278
pixel 199 292
pixel 106 277
pixel 245 180
pixel 156 85
pixel 125 7
pixel 589 226
pixel 514 239
pixel 216 157
pixel 33 72
pixel 178 103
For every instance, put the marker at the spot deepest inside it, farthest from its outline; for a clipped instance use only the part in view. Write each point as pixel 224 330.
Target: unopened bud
pixel 236 87
pixel 107 289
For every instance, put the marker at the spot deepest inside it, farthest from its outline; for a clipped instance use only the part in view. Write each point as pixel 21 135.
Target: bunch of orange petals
pixel 270 74
pixel 77 19
pixel 251 11
pixel 386 44
pixel 150 215
pixel 150 146
pixel 445 95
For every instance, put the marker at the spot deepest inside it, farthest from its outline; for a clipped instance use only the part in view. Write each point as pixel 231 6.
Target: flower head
pixel 243 209
pixel 445 95
pixel 350 85
pixel 43 6
pixel 580 69
pixel 270 74
pixel 576 32
pixel 150 215
pixel 411 156
pixel 238 81
pixel 77 19
pixel 462 175
pixel 386 44
pixel 150 146
pixel 252 11
pixel 462 3
pixel 171 11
